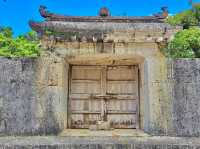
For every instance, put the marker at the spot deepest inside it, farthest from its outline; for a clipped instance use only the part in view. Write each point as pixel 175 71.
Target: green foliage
pixel 22 46
pixel 186 18
pixel 6 31
pixel 31 36
pixel 186 44
pixel 196 10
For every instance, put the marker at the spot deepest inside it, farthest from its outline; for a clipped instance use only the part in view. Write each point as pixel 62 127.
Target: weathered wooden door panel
pixel 85 82
pixel 121 73
pixel 122 81
pixel 86 73
pixel 127 106
pixel 85 87
pixel 85 106
pixel 123 120
pixel 122 87
pixel 84 120
pixel 111 90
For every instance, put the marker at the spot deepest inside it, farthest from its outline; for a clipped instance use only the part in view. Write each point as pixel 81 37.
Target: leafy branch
pixel 22 46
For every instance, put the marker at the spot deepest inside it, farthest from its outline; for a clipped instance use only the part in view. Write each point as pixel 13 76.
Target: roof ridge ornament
pixel 104 16
pixel 104 12
pixel 163 14
pixel 44 12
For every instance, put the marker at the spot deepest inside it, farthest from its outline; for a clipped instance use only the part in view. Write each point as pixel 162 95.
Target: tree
pixel 31 36
pixel 187 18
pixel 186 44
pixel 7 31
pixel 22 46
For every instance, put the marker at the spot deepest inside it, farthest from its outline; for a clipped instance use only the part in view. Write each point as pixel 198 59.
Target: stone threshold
pixel 103 133
pixel 58 142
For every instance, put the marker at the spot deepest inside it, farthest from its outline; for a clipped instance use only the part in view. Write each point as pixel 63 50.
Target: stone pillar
pixel 52 94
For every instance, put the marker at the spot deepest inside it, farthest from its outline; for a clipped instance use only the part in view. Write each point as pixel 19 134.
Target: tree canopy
pixel 21 46
pixel 186 43
pixel 186 18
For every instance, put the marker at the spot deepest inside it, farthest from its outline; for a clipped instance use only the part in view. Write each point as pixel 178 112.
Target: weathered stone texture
pixel 51 142
pixel 110 31
pixel 17 96
pixel 33 95
pixel 20 106
pixel 186 101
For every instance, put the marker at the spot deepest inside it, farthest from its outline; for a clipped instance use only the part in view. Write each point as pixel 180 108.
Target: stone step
pixel 56 142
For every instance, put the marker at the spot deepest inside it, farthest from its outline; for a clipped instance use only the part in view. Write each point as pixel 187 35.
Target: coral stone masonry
pixel 109 69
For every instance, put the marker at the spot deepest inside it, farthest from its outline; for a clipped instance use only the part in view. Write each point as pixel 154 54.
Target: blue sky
pixel 17 13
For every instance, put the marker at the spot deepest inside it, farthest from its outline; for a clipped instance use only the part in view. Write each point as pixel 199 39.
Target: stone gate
pixel 108 69
pixel 102 78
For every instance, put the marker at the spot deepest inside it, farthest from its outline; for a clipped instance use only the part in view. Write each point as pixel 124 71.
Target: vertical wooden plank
pixel 123 80
pixel 85 82
pixel 137 100
pixel 103 93
pixel 69 99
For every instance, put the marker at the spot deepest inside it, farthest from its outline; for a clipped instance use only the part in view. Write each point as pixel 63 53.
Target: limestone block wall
pixel 34 93
pixel 17 96
pixel 52 92
pixel 186 97
pixel 158 96
pixel 26 109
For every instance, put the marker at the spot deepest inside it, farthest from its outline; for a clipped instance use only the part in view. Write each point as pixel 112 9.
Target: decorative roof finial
pixel 43 11
pixel 163 14
pixel 165 11
pixel 104 12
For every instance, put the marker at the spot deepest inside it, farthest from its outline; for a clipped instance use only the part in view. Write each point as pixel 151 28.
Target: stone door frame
pixel 148 67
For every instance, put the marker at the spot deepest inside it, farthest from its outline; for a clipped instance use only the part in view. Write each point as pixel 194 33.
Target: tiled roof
pixel 103 27
pixel 56 17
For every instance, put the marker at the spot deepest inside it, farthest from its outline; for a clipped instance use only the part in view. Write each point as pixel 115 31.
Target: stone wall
pixel 17 96
pixel 186 97
pixel 33 96
pixel 20 105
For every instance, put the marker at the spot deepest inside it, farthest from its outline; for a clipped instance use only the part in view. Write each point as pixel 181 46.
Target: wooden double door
pixel 103 93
